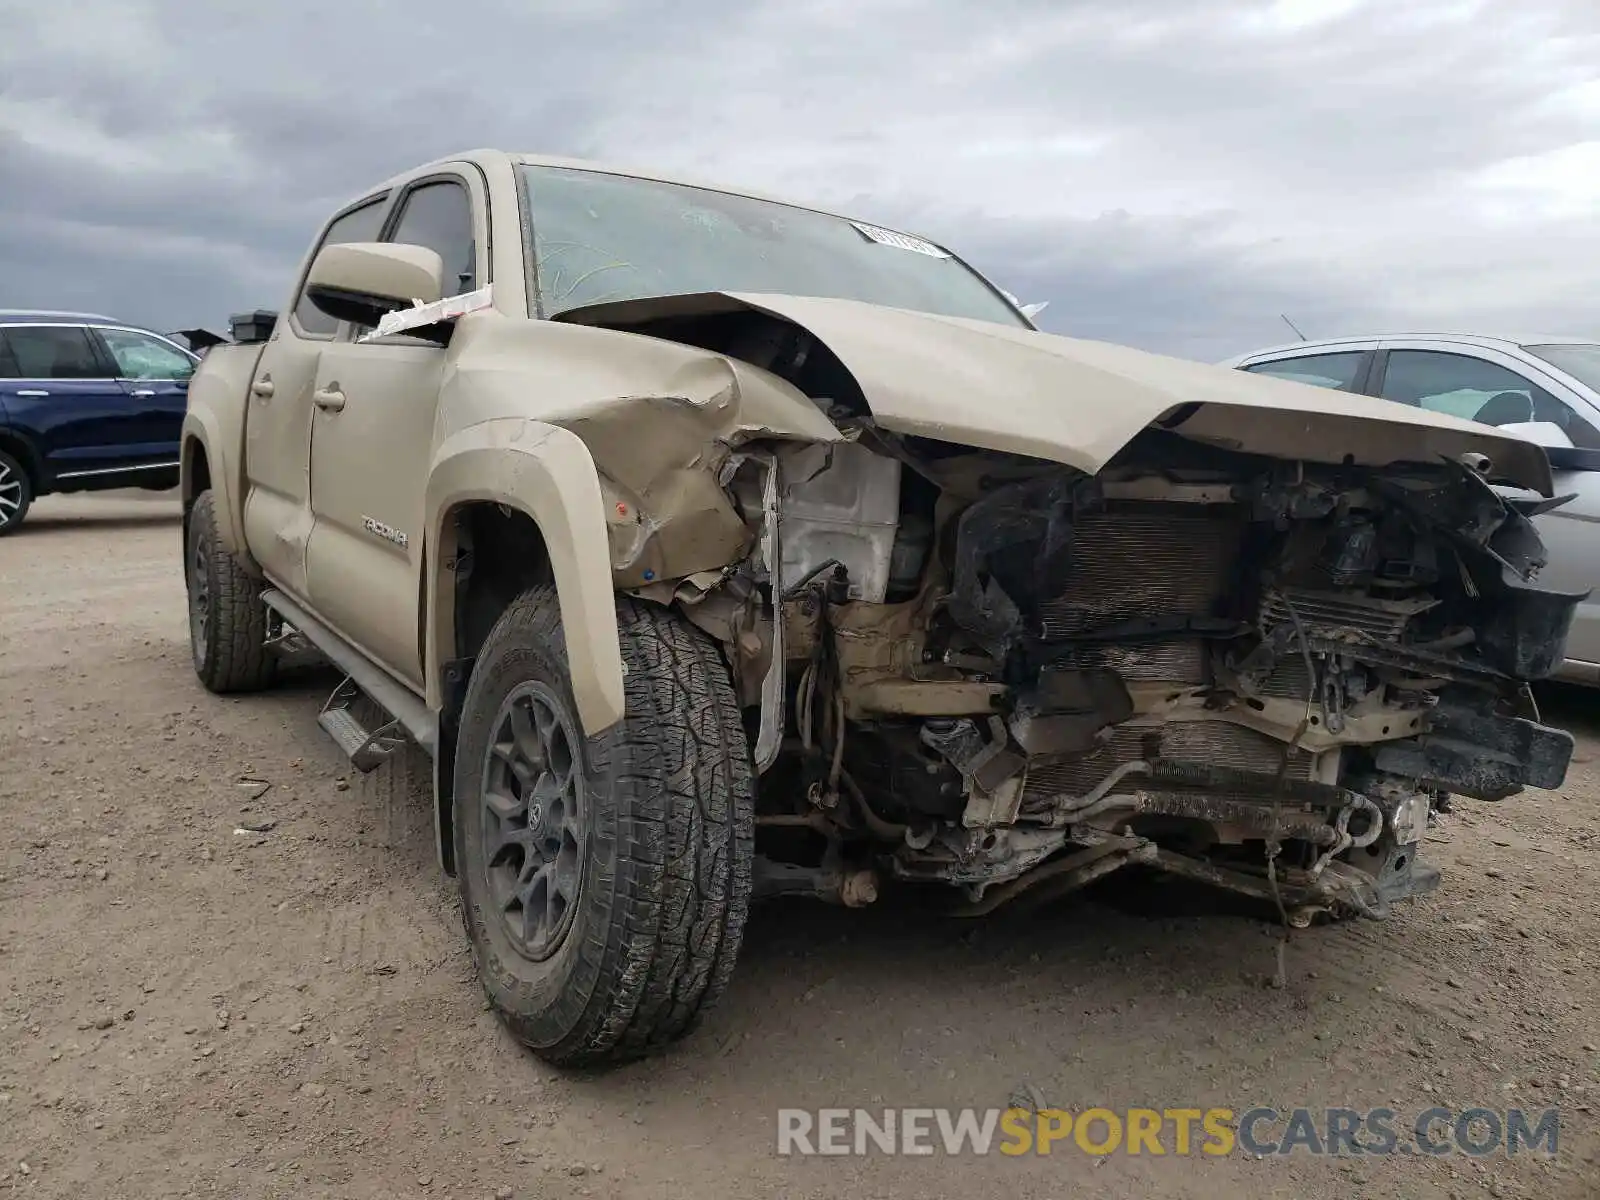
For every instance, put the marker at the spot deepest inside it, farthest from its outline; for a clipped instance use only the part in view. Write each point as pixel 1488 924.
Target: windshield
pixel 1581 361
pixel 600 237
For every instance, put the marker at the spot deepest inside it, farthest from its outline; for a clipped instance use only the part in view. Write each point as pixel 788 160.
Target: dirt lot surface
pixel 188 1008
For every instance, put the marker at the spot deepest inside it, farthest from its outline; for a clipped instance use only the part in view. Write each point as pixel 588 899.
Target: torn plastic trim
pixel 1479 754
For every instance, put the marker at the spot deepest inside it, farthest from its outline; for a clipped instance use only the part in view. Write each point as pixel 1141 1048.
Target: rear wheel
pixel 604 881
pixel 227 621
pixel 16 493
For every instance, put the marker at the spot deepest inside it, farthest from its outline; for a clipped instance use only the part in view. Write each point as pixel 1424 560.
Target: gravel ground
pixel 191 1008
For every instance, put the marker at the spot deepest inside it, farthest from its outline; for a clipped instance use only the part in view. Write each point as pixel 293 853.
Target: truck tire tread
pixel 677 776
pixel 236 658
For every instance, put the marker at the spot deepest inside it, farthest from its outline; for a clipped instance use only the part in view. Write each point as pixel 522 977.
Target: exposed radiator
pixel 1128 564
pixel 1338 614
pixel 1215 743
pixel 1179 660
pixel 1343 616
pixel 1289 680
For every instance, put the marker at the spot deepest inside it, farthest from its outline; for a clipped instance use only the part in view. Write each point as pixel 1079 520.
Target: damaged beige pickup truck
pixel 716 547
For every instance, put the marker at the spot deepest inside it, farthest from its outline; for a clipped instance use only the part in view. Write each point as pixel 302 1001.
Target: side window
pixel 1478 390
pixel 358 225
pixel 140 356
pixel 53 352
pixel 439 216
pixel 1336 371
pixel 8 360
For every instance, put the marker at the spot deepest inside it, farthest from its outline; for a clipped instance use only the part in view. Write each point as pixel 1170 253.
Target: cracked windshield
pixel 601 237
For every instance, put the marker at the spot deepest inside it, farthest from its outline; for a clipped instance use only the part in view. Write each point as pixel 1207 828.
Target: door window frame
pixel 101 356
pixel 472 181
pixel 477 211
pixel 383 199
pixel 1358 384
pixel 109 356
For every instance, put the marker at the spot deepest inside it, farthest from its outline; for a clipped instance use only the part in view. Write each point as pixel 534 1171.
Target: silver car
pixel 1545 389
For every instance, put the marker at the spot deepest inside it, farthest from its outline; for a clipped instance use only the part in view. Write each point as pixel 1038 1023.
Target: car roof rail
pixel 52 312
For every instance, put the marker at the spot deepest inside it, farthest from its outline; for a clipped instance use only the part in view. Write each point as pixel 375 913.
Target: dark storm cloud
pixel 1162 290
pixel 1172 174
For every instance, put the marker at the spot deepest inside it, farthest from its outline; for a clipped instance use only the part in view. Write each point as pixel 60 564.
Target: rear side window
pixel 1338 371
pixel 140 356
pixel 52 352
pixel 439 216
pixel 361 224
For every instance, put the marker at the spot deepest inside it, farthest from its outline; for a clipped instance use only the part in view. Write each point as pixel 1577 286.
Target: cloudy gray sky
pixel 1168 173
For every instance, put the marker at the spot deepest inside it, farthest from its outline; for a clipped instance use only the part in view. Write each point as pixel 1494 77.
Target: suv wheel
pixel 227 621
pixel 16 493
pixel 604 881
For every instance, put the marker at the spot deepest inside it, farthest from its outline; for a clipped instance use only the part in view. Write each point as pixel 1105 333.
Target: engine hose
pixel 886 830
pixel 1089 803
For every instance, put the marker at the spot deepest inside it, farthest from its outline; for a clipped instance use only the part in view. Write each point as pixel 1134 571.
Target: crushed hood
pixel 1079 402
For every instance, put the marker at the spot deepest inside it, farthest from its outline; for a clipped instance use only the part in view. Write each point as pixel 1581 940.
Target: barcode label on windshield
pixel 901 241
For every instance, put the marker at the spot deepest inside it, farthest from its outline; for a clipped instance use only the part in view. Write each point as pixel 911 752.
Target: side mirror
pixel 361 282
pixel 1541 433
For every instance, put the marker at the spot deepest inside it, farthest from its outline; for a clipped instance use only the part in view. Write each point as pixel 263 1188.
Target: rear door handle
pixel 329 399
pixel 31 392
pixel 262 387
pixel 144 392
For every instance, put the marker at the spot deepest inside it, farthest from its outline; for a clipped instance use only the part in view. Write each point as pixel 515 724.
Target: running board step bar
pixel 366 748
pixel 411 718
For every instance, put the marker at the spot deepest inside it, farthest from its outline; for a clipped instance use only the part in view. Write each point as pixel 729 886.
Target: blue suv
pixel 86 403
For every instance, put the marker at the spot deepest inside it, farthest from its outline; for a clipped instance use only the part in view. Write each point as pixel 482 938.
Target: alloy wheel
pixel 11 485
pixel 533 819
pixel 199 601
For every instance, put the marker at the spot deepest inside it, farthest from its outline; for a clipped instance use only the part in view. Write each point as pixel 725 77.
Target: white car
pixel 1545 389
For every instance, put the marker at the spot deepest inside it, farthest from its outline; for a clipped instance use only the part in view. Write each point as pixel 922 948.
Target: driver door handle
pixel 329 399
pixel 262 387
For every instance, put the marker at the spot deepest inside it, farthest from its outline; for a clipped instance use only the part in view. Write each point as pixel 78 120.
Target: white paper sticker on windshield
pixel 419 315
pixel 901 241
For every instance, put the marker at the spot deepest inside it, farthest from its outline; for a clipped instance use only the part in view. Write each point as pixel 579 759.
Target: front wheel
pixel 16 493
pixel 604 881
pixel 227 620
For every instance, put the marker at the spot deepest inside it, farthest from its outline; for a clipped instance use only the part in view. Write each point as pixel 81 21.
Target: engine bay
pixel 977 668
pixel 1003 673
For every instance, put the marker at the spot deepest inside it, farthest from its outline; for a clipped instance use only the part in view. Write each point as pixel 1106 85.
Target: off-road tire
pixel 668 794
pixel 229 648
pixel 18 490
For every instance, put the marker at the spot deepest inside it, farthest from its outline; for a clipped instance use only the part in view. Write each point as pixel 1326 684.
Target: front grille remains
pixel 1128 564
pixel 1214 743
